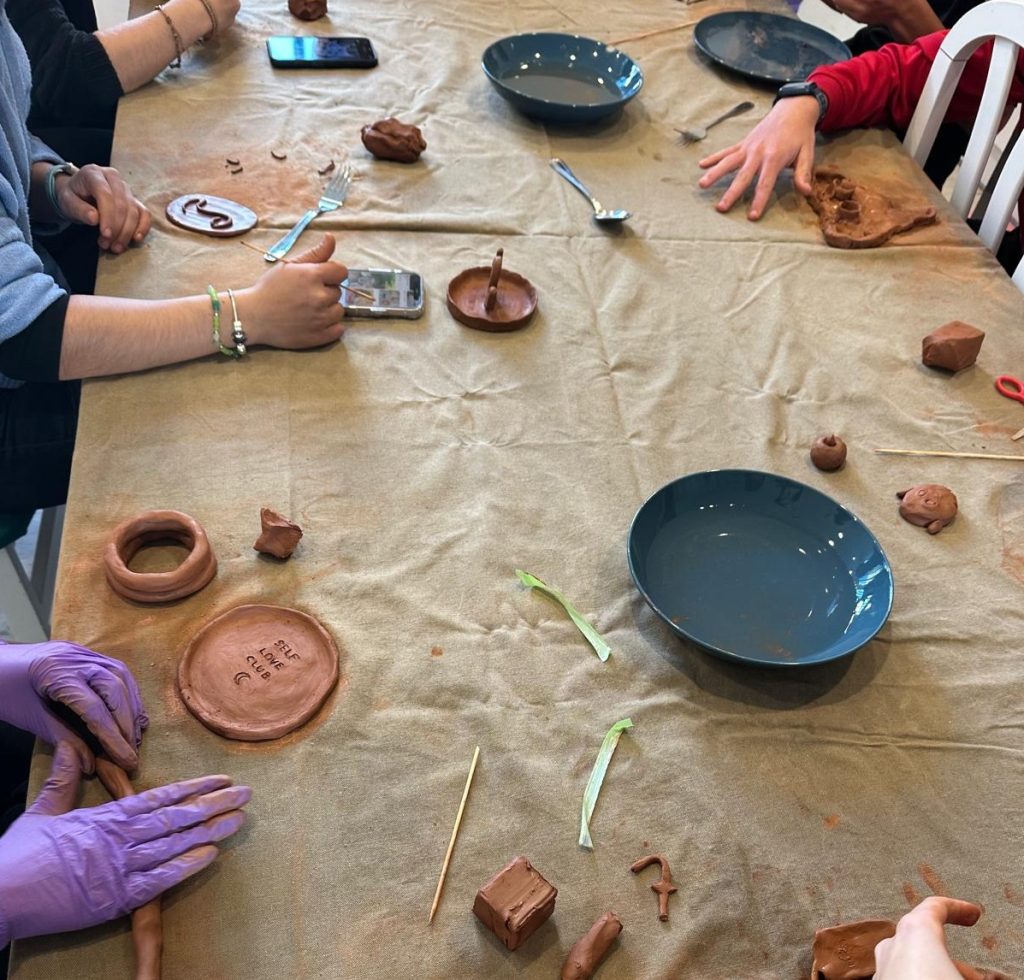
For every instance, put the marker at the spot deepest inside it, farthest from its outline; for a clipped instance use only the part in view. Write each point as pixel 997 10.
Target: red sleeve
pixel 881 88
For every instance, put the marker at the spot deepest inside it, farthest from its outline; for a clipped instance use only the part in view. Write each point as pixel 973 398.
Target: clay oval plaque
pixel 210 215
pixel 257 672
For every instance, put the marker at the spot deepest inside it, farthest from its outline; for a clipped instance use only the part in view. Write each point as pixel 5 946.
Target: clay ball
pixel 828 452
pixel 389 139
pixel 928 505
pixel 279 536
pixel 308 9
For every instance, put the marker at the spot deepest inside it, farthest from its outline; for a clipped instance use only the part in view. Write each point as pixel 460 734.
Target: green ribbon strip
pixel 597 779
pixel 591 635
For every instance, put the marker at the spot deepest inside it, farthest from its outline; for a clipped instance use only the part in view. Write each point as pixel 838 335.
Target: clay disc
pixel 258 672
pixel 517 300
pixel 223 219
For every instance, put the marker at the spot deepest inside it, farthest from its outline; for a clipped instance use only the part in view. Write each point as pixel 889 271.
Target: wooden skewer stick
pixel 361 293
pixel 646 34
pixel 1018 435
pixel 455 833
pixel 930 452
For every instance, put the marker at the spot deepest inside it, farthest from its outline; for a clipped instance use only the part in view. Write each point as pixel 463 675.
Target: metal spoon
pixel 601 214
pixel 697 134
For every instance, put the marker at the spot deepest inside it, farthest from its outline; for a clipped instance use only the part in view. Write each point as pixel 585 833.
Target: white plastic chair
pixel 1003 21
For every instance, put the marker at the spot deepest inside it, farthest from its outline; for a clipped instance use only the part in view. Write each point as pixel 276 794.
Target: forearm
pixel 140 49
pixel 913 20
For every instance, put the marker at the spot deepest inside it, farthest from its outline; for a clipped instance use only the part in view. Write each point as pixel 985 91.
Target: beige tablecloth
pixel 426 461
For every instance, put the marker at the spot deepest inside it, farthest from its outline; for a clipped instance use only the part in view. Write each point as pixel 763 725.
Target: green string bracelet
pixel 215 303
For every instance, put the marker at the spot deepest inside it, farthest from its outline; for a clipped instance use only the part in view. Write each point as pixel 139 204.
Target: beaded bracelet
pixel 179 47
pixel 215 303
pixel 213 18
pixel 237 333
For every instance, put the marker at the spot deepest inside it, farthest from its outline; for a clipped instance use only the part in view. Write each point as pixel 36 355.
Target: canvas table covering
pixel 427 461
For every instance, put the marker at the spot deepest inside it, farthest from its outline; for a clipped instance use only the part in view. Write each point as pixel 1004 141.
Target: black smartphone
pixel 321 52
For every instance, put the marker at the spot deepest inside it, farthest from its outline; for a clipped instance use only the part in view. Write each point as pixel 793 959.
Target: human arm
pixel 63 869
pixel 905 19
pixel 918 950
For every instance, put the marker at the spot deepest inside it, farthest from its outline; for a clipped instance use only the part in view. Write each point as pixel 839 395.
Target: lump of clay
pixel 308 9
pixel 954 346
pixel 586 954
pixel 928 505
pixel 848 952
pixel 852 216
pixel 828 452
pixel 389 139
pixel 516 902
pixel 280 536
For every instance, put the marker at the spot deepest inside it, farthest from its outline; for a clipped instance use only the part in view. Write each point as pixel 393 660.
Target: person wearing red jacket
pixel 878 88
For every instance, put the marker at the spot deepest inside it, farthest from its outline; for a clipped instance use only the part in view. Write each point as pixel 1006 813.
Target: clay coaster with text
pixel 258 672
pixel 209 215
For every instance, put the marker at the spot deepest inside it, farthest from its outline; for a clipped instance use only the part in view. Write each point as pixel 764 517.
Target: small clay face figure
pixel 828 452
pixel 308 9
pixel 389 139
pixel 928 505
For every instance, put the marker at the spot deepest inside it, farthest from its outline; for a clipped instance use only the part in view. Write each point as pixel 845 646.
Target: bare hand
pixel 98 196
pixel 785 137
pixel 918 950
pixel 906 19
pixel 296 304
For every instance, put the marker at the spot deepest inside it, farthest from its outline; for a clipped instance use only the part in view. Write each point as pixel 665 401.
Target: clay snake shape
pixel 218 219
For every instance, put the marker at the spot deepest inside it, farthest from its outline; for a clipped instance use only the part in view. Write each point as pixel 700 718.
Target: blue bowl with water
pixel 562 78
pixel 760 569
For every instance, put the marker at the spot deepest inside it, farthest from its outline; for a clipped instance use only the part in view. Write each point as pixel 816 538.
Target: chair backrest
pixel 1003 22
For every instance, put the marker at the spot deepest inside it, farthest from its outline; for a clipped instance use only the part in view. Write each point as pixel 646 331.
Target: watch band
pixel 51 185
pixel 793 89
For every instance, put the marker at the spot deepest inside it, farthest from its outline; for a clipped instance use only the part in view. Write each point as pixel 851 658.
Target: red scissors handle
pixel 1010 387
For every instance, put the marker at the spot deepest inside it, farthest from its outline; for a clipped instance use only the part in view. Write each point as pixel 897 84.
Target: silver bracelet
pixel 51 185
pixel 238 336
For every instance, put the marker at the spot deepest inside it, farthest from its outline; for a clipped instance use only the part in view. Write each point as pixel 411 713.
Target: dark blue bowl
pixel 759 568
pixel 562 78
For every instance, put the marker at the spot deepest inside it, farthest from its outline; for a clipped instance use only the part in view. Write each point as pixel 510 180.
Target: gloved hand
pixel 62 870
pixel 101 691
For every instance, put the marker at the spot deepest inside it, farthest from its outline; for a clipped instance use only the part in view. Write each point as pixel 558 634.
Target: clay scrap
pixel 588 951
pixel 928 505
pixel 492 299
pixel 828 452
pixel 954 346
pixel 279 536
pixel 854 216
pixel 847 952
pixel 516 902
pixel 307 9
pixel 150 526
pixel 664 886
pixel 390 139
pixel 219 217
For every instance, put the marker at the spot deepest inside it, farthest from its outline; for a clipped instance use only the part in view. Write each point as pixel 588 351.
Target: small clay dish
pixel 159 525
pixel 257 672
pixel 219 217
pixel 514 308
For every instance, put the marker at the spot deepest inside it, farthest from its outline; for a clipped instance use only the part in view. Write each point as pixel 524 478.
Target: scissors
pixel 1010 387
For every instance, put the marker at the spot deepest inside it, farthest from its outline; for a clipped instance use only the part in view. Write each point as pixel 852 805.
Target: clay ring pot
pixel 515 306
pixel 157 525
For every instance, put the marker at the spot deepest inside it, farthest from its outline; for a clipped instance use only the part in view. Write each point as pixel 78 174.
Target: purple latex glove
pixel 63 869
pixel 101 691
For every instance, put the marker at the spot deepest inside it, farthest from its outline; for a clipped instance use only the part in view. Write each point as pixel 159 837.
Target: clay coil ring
pixel 156 525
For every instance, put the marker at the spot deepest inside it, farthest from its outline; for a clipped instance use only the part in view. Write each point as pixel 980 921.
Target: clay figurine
pixel 828 452
pixel 664 886
pixel 954 346
pixel 847 952
pixel 492 299
pixel 587 952
pixel 219 217
pixel 389 139
pixel 515 903
pixel 308 9
pixel 190 576
pixel 257 672
pixel 928 505
pixel 852 216
pixel 147 925
pixel 279 537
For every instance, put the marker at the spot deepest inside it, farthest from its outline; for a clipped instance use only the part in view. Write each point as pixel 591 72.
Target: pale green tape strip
pixel 597 778
pixel 591 635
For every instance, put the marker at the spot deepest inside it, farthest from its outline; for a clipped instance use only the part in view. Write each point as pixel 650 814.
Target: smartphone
pixel 321 52
pixel 395 292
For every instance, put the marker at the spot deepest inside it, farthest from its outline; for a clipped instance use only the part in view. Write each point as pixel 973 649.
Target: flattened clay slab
pixel 847 952
pixel 257 672
pixel 854 216
pixel 219 217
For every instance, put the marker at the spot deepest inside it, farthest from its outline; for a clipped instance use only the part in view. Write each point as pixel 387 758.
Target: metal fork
pixel 696 135
pixel 332 198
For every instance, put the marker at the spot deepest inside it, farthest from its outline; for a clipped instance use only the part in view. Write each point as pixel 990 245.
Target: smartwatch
pixel 792 89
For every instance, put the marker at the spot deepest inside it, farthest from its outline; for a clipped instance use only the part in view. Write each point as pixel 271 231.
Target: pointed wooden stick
pixel 362 294
pixel 455 833
pixel 930 452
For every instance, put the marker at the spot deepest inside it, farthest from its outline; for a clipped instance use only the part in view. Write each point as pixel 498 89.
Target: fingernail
pixel 105 232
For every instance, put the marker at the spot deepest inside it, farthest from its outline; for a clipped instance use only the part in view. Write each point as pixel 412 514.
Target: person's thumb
pixel 61 787
pixel 320 252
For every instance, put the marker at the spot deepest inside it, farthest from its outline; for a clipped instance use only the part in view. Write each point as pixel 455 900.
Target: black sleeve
pixel 34 354
pixel 73 80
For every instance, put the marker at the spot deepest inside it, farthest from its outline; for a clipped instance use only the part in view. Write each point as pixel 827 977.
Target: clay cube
pixel 954 346
pixel 515 903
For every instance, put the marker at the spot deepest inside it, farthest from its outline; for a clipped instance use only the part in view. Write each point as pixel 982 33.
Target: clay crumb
pixel 327 169
pixel 910 894
pixel 236 170
pixel 232 162
pixel 831 821
pixel 278 155
pixel 436 651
